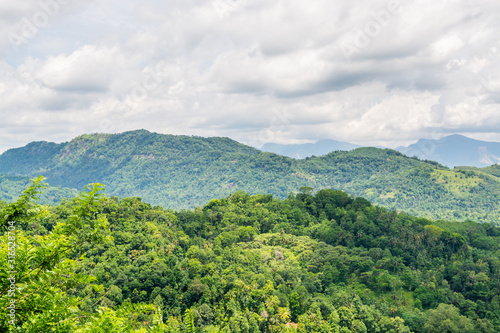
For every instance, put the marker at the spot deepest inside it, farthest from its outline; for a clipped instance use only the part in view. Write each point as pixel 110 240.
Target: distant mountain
pixel 455 150
pixel 319 148
pixel 183 171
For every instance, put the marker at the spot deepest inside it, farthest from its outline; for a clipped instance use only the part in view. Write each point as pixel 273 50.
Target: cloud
pixel 88 69
pixel 379 72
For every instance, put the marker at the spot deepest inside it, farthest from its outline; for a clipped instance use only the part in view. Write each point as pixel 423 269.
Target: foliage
pixel 11 186
pixel 314 262
pixel 185 172
pixel 40 288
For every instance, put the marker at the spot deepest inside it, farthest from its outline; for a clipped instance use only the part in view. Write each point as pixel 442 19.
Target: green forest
pixel 315 261
pixel 12 186
pixel 183 172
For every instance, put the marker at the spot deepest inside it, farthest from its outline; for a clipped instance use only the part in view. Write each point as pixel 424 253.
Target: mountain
pixel 455 150
pixel 184 172
pixel 319 148
pixel 174 171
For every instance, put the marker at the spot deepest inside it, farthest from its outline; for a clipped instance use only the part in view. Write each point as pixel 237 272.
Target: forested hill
pixel 314 262
pixel 183 171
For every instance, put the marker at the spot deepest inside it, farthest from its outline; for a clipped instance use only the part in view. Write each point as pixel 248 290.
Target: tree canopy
pixel 319 261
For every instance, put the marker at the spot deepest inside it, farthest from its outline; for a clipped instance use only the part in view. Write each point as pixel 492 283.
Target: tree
pixel 295 307
pixel 37 273
pixel 447 319
pixel 392 325
pixel 189 320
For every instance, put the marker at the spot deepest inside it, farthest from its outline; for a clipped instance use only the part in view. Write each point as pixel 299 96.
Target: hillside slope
pixel 183 172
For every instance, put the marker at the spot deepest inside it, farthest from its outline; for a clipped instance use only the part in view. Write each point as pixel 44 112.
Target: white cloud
pixel 88 69
pixel 186 68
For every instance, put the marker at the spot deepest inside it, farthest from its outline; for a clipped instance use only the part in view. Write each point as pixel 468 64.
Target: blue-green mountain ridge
pixel 184 172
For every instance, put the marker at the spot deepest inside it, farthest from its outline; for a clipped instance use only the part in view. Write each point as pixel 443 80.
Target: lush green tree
pixel 255 263
pixel 447 319
pixel 37 273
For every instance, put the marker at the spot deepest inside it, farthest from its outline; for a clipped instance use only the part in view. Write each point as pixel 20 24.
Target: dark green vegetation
pixel 39 282
pixel 323 262
pixel 184 172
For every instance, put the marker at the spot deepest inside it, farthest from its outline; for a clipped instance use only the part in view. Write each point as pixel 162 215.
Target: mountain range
pixel 453 150
pixel 183 172
pixel 321 147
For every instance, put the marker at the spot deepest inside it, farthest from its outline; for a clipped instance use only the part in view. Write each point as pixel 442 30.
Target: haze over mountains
pixel 455 150
pixel 452 150
pixel 184 172
pixel 319 148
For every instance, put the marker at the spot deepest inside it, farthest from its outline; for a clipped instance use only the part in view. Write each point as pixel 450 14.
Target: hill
pixel 319 148
pixel 455 150
pixel 322 262
pixel 182 172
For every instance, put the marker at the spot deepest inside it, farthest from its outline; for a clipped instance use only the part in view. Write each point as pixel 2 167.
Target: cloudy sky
pixel 291 71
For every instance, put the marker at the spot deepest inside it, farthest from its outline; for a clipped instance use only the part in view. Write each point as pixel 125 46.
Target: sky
pixel 368 72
